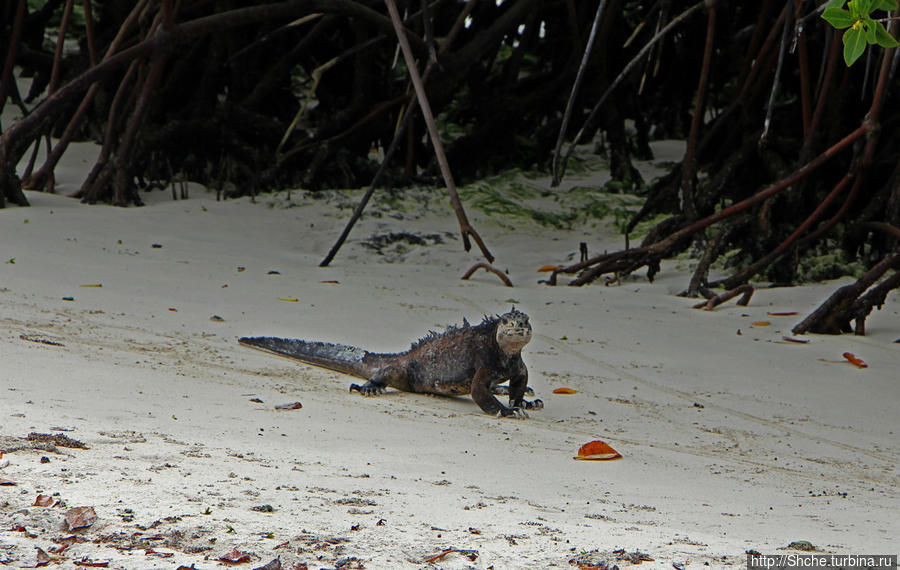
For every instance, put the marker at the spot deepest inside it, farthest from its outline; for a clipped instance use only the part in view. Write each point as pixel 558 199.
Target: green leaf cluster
pixel 862 29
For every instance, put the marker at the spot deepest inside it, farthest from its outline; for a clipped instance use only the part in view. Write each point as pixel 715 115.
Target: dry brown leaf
pixel 42 557
pixel 565 391
pixel 80 517
pixel 43 501
pixel 235 557
pixel 597 451
pixel 760 323
pixel 289 406
pixel 782 314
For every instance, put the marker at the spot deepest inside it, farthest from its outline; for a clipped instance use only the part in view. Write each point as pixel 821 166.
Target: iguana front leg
pixel 518 387
pixel 483 394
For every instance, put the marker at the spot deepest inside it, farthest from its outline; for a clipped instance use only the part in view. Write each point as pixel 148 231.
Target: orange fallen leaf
pixel 854 360
pixel 597 451
pixel 549 268
pixel 173 309
pixel 760 323
pixel 565 391
pixel 782 314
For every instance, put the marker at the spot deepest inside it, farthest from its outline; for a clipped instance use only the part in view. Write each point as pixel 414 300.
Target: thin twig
pixel 689 163
pixel 746 290
pixel 487 267
pixel 557 177
pixel 465 228
pixel 785 36
pixel 567 115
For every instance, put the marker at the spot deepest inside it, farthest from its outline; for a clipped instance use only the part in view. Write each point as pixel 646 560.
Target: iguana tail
pixel 338 357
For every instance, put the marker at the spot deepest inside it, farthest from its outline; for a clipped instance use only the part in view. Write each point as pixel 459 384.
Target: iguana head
pixel 513 331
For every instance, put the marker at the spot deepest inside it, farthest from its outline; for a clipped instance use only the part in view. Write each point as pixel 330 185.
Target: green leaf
pixel 839 3
pixel 886 5
pixel 883 38
pixel 854 44
pixel 861 8
pixel 869 25
pixel 838 18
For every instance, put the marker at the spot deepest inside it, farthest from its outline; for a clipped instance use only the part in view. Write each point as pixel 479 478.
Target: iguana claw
pixel 517 413
pixel 367 389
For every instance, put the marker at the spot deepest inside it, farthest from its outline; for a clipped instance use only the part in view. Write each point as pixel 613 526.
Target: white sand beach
pixel 118 330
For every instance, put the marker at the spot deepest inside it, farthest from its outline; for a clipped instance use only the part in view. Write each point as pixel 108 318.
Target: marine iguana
pixel 462 360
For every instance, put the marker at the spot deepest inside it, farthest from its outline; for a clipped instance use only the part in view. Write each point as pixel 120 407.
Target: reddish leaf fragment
pixel 17 528
pixel 43 501
pixel 80 517
pixel 760 323
pixel 782 314
pixel 597 451
pixel 158 554
pixel 235 557
pixel 59 549
pixel 565 391
pixel 796 340
pixel 289 406
pixel 332 281
pixel 438 556
pixel 549 268
pixel 854 360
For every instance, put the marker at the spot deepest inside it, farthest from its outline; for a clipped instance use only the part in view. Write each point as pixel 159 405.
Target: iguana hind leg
pixel 393 376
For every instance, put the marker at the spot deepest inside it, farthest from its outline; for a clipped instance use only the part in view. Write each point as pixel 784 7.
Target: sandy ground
pixel 118 330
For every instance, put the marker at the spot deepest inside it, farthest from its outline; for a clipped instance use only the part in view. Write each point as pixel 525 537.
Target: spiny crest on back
pixel 454 330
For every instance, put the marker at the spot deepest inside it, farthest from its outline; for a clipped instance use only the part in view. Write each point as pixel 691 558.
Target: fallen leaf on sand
pixel 288 299
pixel 235 557
pixel 549 268
pixel 332 281
pixel 92 285
pixel 782 314
pixel 43 501
pixel 760 323
pixel 42 557
pixel 855 361
pixel 597 451
pixel 289 406
pixel 80 517
pixel 565 391
pixel 796 340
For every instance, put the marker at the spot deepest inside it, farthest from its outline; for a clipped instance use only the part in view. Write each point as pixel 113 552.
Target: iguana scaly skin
pixel 462 360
